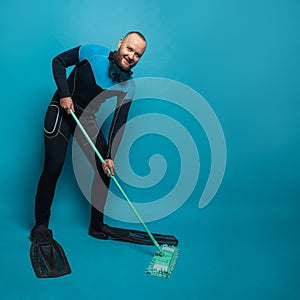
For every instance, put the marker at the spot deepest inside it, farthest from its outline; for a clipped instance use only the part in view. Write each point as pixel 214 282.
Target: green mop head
pixel 163 262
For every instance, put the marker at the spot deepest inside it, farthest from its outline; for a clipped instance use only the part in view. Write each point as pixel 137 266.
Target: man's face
pixel 130 50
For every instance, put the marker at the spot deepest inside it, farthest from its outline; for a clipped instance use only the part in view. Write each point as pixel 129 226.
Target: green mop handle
pixel 116 182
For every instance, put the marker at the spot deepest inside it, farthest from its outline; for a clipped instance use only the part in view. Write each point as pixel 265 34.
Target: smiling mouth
pixel 129 62
pixel 126 63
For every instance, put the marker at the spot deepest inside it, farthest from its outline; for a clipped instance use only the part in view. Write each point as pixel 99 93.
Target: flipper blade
pixel 47 255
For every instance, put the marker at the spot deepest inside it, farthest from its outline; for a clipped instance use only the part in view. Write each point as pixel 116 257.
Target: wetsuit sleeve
pixel 59 65
pixel 119 119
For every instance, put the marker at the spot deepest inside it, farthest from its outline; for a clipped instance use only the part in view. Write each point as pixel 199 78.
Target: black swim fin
pixel 132 236
pixel 47 256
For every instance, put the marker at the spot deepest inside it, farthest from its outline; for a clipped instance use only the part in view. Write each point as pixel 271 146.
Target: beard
pixel 118 59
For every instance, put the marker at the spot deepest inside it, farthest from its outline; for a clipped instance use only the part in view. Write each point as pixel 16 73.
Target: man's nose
pixel 131 55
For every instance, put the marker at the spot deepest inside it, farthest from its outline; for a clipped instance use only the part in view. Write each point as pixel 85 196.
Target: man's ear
pixel 120 43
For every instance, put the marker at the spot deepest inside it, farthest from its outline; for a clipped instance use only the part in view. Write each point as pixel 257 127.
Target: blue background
pixel 243 57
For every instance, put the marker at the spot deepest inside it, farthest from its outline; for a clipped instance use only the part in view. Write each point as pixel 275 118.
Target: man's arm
pixel 59 65
pixel 117 125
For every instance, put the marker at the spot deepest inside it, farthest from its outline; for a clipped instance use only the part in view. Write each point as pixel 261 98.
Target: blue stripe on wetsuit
pixel 97 56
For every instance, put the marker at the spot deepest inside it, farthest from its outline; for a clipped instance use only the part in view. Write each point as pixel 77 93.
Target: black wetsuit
pixel 89 78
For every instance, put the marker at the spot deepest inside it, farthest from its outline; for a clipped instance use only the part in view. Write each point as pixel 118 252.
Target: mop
pixel 164 259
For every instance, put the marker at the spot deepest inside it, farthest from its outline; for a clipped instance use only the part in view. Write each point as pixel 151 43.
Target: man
pixel 98 74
